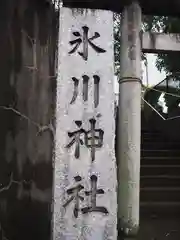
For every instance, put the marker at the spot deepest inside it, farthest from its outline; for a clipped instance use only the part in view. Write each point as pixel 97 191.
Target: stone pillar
pixel 129 126
pixel 85 201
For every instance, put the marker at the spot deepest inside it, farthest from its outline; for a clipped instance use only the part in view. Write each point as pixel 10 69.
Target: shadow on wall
pixel 27 97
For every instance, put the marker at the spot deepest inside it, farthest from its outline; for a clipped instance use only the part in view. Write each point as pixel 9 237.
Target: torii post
pixel 133 43
pixel 129 125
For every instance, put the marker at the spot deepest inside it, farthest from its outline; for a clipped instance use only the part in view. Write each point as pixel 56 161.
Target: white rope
pixel 153 108
pixel 154 89
pixel 165 119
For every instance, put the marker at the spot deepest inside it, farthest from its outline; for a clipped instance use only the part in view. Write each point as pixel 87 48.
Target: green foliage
pixel 169 62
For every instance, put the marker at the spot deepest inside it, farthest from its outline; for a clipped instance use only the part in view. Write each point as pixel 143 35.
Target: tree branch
pixel 41 128
pixel 7 187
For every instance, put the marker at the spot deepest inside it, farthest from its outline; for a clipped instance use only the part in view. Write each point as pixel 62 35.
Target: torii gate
pixel 133 42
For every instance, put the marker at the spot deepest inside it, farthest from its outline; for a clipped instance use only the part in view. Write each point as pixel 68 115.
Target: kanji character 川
pixel 85 89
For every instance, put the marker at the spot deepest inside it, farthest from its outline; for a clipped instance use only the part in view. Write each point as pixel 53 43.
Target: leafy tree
pixel 169 62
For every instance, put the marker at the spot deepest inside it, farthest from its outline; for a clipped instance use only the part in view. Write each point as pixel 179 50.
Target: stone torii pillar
pixel 85 182
pixel 66 166
pixel 129 123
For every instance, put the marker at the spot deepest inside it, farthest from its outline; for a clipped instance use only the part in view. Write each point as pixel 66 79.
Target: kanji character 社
pixel 93 193
pixel 74 191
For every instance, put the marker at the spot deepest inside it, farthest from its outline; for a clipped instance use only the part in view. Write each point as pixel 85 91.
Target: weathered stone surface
pixel 98 67
pixel 151 7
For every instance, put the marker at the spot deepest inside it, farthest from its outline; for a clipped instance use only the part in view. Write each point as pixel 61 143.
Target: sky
pixel 154 75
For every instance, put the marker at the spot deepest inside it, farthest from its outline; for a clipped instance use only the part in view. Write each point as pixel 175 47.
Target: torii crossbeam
pixel 149 7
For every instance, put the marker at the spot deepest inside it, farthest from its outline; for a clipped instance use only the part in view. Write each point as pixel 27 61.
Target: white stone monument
pixel 85 181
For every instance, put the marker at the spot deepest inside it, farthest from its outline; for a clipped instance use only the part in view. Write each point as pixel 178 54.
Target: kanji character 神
pixel 93 138
pixel 76 139
pixel 85 40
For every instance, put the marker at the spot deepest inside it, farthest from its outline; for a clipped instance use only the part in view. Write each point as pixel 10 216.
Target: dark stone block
pixel 25 154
